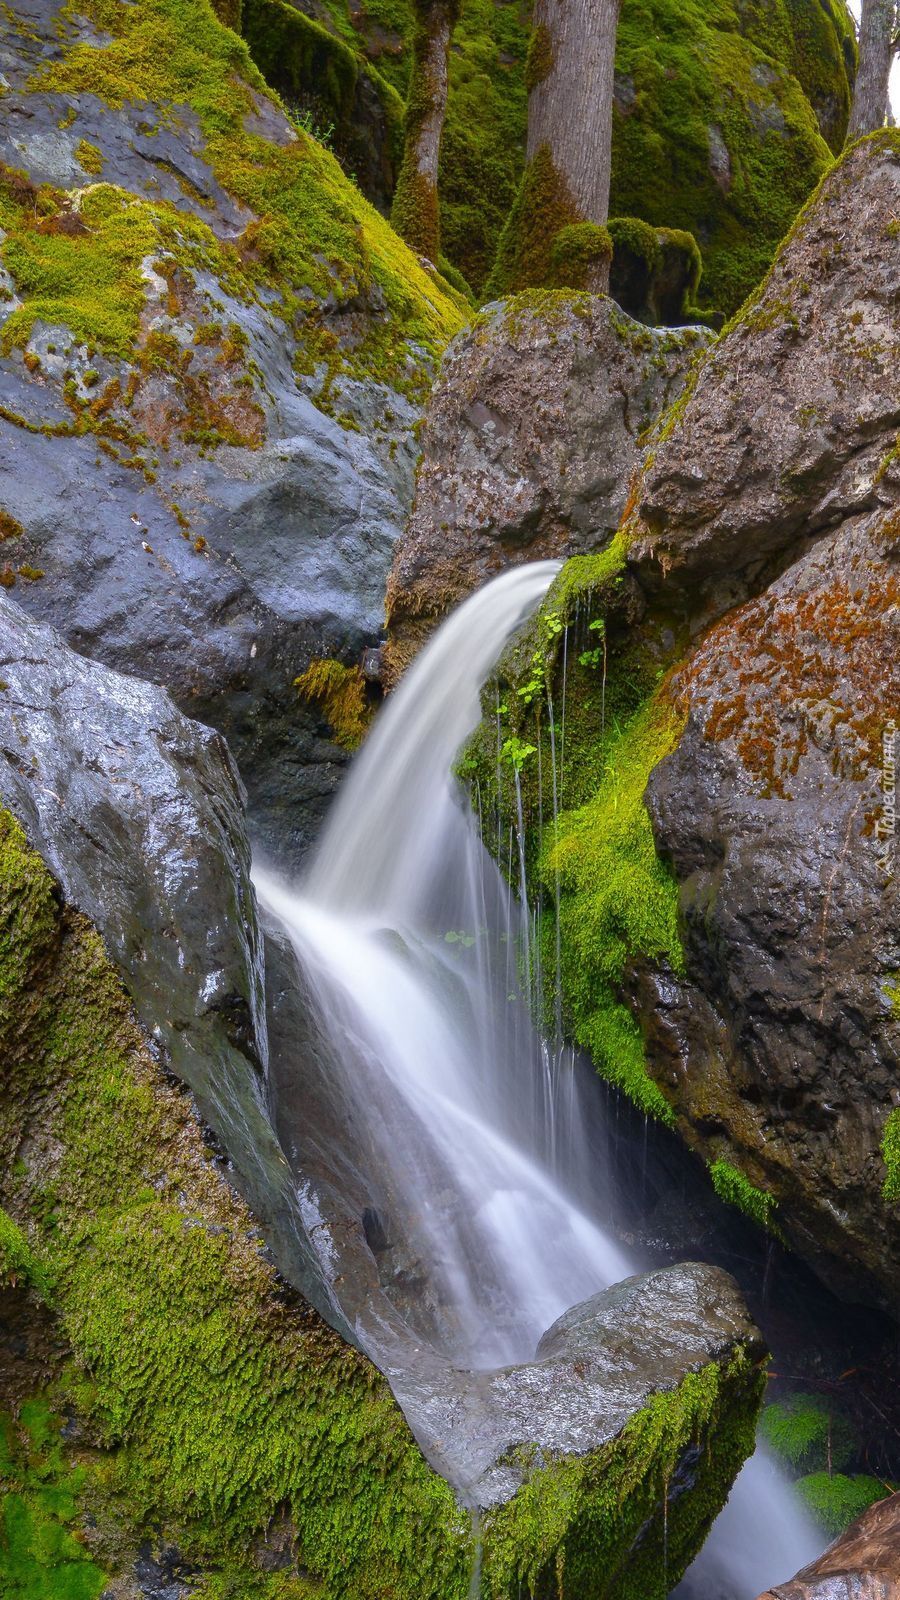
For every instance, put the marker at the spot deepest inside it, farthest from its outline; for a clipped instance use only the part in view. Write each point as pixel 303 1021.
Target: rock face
pixel 779 1047
pixel 187 489
pixel 863 1564
pixel 531 439
pixel 785 433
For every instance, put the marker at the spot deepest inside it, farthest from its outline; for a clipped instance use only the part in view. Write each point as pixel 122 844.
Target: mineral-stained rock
pixel 863 1564
pixel 531 439
pixel 780 1046
pixel 206 405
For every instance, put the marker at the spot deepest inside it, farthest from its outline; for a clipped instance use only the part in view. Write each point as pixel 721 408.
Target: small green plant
pixel 731 1185
pixel 517 751
pixel 836 1500
pixel 808 1433
pixel 890 1150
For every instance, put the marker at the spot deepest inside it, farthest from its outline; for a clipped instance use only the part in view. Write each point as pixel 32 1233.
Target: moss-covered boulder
pixel 207 334
pixel 169 1401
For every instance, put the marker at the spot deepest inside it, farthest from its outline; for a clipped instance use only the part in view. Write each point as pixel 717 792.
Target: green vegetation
pixel 890 1150
pixel 836 1500
pixel 214 1401
pixel 607 902
pixel 808 1433
pixel 579 1517
pixel 314 232
pixel 41 1557
pixel 340 691
pixel 732 1186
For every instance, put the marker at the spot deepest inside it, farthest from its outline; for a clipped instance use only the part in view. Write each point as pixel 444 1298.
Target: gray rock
pixel 532 436
pixel 784 431
pixel 218 570
pixel 138 812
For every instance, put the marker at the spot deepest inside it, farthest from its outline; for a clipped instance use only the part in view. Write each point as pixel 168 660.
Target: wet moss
pixel 890 1152
pixel 736 1190
pixel 836 1499
pixel 41 1555
pixel 608 1526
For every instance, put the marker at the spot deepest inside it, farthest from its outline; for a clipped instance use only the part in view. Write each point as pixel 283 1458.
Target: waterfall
pixel 414 956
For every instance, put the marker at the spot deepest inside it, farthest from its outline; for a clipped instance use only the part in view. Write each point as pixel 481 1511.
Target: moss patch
pixel 836 1500
pixel 340 691
pixel 890 1151
pixel 808 1433
pixel 314 233
pixel 41 1555
pixel 731 1186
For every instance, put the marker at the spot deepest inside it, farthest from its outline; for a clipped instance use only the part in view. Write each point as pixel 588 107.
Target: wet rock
pixel 138 812
pixel 531 439
pixel 863 1564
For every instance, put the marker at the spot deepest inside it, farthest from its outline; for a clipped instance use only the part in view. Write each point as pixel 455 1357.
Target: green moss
pixel 808 1433
pixel 89 157
pixel 597 1526
pixel 732 1186
pixel 579 253
pixel 40 1556
pixel 314 232
pixel 543 206
pixel 539 61
pixel 890 1151
pixel 836 1501
pixel 18 1264
pixel 340 691
pixel 219 1403
pixel 617 902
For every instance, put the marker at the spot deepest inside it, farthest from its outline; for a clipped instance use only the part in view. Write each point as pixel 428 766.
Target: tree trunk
pixel 555 234
pixel 870 97
pixel 571 96
pixel 415 213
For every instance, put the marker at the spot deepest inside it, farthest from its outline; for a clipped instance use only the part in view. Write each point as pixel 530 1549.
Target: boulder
pixel 777 481
pixel 139 814
pixel 207 455
pixel 784 434
pixel 532 436
pixel 863 1564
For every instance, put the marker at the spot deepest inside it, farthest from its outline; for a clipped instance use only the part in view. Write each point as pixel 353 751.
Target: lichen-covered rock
pixel 207 333
pixel 863 1563
pixel 531 439
pixel 778 1042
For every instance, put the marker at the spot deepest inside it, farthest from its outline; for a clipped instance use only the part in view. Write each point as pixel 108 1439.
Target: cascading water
pixel 410 944
pixel 413 954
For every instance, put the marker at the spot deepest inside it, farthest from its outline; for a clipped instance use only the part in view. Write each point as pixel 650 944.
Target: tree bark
pixel 571 96
pixel 870 97
pixel 415 212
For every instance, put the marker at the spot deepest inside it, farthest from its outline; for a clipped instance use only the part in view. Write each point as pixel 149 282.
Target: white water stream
pixel 412 948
